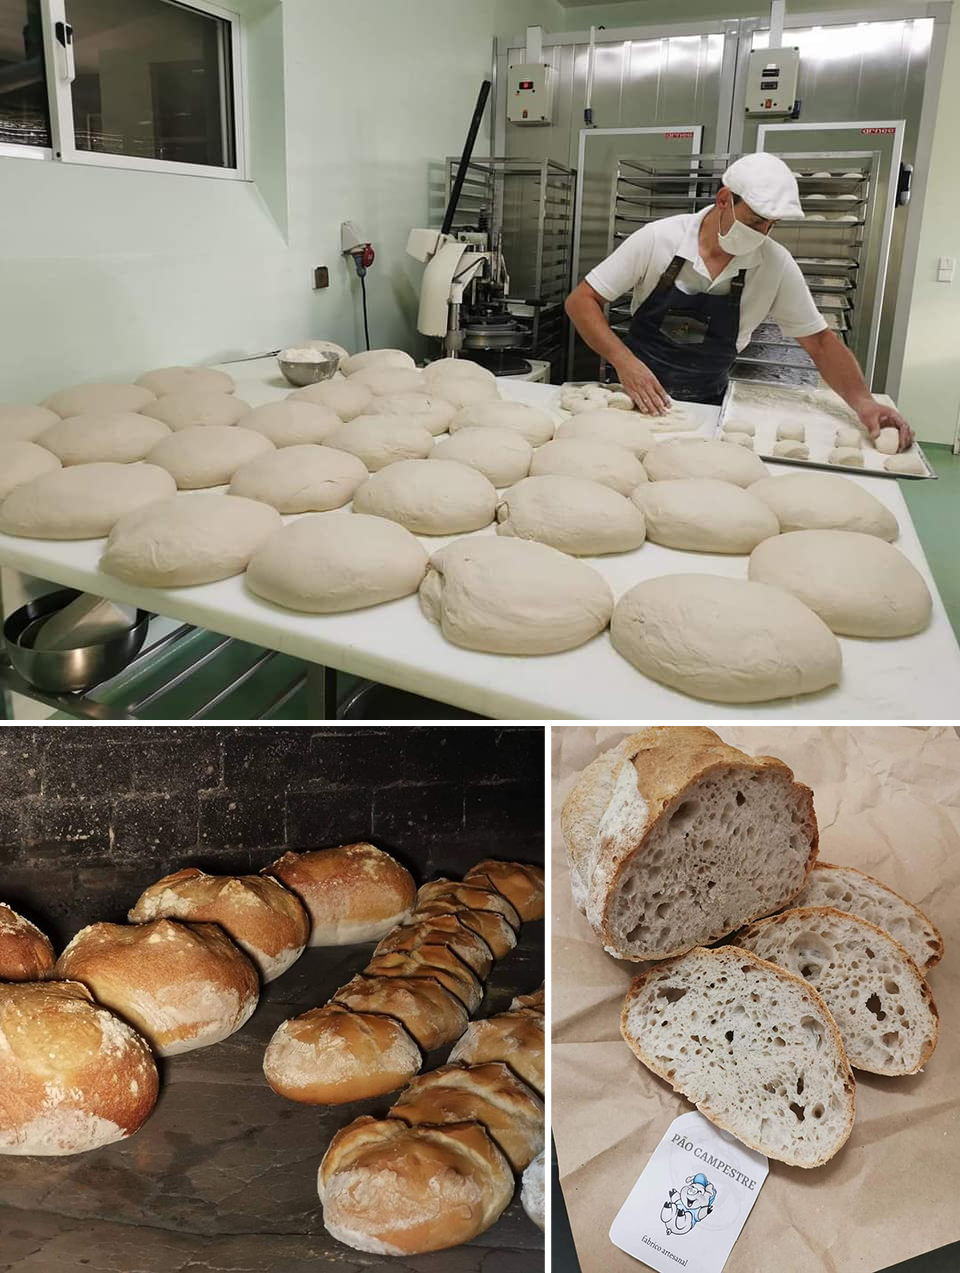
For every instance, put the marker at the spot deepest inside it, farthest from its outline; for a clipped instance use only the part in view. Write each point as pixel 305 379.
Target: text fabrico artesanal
pixel 713 1161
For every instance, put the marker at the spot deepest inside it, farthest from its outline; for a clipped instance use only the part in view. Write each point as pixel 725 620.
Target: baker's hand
pixel 874 416
pixel 643 386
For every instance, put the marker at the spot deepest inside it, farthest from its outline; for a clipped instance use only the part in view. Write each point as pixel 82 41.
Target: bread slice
pixel 676 839
pixel 753 1047
pixel 847 889
pixel 875 991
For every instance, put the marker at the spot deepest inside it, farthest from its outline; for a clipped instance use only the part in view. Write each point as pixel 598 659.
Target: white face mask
pixel 740 239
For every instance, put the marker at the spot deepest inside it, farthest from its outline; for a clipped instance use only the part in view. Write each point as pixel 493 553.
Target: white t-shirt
pixel 774 286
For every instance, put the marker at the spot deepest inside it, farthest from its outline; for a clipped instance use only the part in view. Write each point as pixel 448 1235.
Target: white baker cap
pixel 766 184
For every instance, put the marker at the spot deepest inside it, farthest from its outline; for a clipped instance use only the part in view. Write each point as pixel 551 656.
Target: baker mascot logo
pixel 683 1211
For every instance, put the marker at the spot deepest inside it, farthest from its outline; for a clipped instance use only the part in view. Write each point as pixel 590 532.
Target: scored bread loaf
pixel 26 954
pixel 499 935
pixel 441 930
pixel 514 1038
pixel 263 918
pixel 532 1194
pixel 476 897
pixel 490 1094
pixel 391 1189
pixel 533 1002
pixel 430 1013
pixel 331 1055
pixel 519 883
pixel 439 962
pixel 675 840
pixel 752 1046
pixel 877 994
pixel 853 891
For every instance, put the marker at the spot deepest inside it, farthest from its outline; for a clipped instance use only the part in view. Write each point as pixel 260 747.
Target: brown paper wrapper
pixel 888 802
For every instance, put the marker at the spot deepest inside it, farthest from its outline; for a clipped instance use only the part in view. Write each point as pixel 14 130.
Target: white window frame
pixel 59 77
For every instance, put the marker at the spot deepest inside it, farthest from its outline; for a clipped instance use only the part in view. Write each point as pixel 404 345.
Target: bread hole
pixel 685 813
pixel 817 1111
pixel 832 891
pixel 695 1038
pixel 672 993
pixel 754 997
pixel 799 1110
pixel 728 1035
pixel 869 953
pixel 813 1030
pixel 873 1003
pixel 800 1085
pixel 779 1043
pixel 889 1040
pixel 711 885
pixel 770 1087
pixel 900 1009
pixel 741 798
pixel 891 987
pixel 663 910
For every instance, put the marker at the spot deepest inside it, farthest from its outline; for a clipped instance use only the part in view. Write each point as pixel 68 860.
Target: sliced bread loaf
pixel 675 839
pixel 877 994
pixel 847 889
pixel 752 1046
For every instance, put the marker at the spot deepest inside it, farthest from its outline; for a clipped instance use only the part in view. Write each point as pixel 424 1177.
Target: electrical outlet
pixel 321 277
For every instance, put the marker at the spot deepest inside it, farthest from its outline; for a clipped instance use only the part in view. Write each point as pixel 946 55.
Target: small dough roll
pixel 432 1015
pixel 74 1077
pixel 301 479
pixel 332 1056
pixel 188 540
pixel 849 435
pixel 99 399
pixel 292 423
pixel 26 954
pixel 120 438
pixel 792 450
pixel 700 514
pixel 739 641
pixel 382 440
pixel 21 462
pixel 513 1038
pixel 378 358
pixel 353 893
pixel 429 497
pixel 741 426
pixel 533 1190
pixel 825 501
pixel 501 455
pixel 192 409
pixel 858 584
pixel 887 441
pixel 435 414
pixel 522 885
pixel 82 502
pixel 384 381
pixel 24 423
pixel 183 986
pixel 702 457
pixel 679 418
pixel 263 918
pixel 197 458
pixel 532 423
pixel 629 430
pixel 323 565
pixel 791 431
pixel 907 462
pixel 592 459
pixel 739 439
pixel 346 399
pixel 850 457
pixel 170 380
pixel 575 515
pixel 513 596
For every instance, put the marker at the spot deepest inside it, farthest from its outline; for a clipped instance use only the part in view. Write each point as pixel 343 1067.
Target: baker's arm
pixel 842 373
pixel 584 308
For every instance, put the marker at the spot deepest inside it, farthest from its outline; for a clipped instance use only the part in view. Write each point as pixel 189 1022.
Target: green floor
pixel 935 509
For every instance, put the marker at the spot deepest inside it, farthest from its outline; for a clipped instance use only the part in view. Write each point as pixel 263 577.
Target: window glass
pixel 24 114
pixel 154 81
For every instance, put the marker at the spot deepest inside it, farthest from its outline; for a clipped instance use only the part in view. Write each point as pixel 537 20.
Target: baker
pixel 702 282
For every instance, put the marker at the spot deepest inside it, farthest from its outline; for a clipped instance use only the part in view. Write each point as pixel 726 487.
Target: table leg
pixel 321 692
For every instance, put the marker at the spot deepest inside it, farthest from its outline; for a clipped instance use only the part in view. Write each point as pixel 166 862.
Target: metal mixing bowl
pixel 309 373
pixel 67 671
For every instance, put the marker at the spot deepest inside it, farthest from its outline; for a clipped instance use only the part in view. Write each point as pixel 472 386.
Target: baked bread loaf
pixel 533 1191
pixel 478 897
pixel 330 1055
pixel 73 1076
pixel 439 962
pixel 520 884
pixel 514 1038
pixel 491 1095
pixel 183 986
pixel 529 1003
pixel 353 893
pixel 676 839
pixel 752 1046
pixel 441 930
pixel 499 935
pixel 847 889
pixel 26 954
pixel 391 1189
pixel 431 1014
pixel 877 994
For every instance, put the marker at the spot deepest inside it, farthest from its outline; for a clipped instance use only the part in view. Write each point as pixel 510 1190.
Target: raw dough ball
pixel 887 441
pixel 99 398
pixel 859 585
pixel 462 391
pixel 168 380
pixel 24 423
pixel 700 457
pixel 323 564
pixel 851 457
pixel 83 502
pixel 120 438
pixel 741 426
pixel 792 450
pixel 512 596
pixel 791 431
pixel 21 462
pixel 344 397
pixel 824 501
pixel 700 514
pixel 678 419
pixel 379 358
pixel 739 439
pixel 908 462
pixel 207 456
pixel 532 423
pixel 443 367
pixel 301 479
pixel 727 640
pixel 191 409
pixel 190 539
pixel 848 435
pixel 597 461
pixel 290 423
pixel 434 414
pixel 383 381
pixel 429 497
pixel 609 425
pixel 570 513
pixel 501 455
pixel 382 440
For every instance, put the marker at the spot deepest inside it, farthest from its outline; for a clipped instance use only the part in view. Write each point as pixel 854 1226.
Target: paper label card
pixel 692 1199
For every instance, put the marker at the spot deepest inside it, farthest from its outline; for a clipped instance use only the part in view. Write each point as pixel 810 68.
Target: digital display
pixel 768 83
pixel 526 84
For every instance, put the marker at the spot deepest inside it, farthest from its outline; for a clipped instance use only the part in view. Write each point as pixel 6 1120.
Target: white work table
pixel 916 678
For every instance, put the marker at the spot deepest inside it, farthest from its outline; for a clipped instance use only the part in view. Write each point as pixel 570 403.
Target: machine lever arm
pixel 465 157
